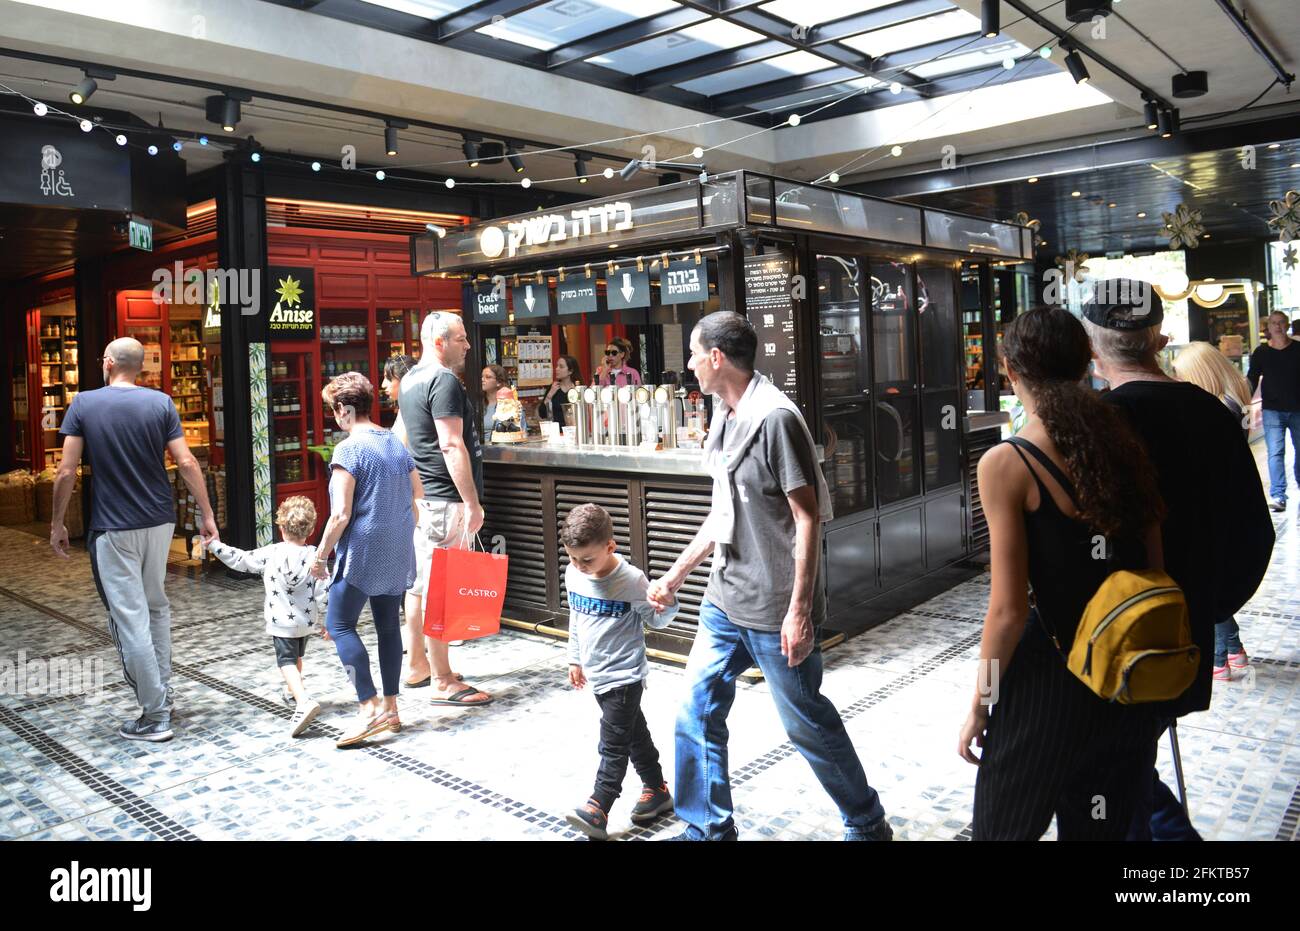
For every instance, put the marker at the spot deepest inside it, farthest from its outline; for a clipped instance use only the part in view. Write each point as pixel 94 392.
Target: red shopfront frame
pixel 372 306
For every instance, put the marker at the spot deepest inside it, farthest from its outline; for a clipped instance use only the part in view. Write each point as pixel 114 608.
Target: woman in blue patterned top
pixel 372 485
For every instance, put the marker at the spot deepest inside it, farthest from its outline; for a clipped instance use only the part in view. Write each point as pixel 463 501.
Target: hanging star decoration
pixel 1183 227
pixel 290 290
pixel 1286 216
pixel 1289 258
pixel 1074 263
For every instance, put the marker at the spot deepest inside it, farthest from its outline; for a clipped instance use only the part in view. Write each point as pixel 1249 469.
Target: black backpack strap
pixel 1052 468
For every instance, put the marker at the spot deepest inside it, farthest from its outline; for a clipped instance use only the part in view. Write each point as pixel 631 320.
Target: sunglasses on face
pixel 611 352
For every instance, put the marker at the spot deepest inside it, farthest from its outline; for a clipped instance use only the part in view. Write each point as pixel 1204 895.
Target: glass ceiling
pixel 691 42
pixel 696 55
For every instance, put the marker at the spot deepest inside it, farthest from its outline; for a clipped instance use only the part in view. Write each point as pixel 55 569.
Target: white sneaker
pixel 1277 504
pixel 303 716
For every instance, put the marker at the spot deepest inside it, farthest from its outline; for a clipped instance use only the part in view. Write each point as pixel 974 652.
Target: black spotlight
pixel 1078 70
pixel 630 169
pixel 491 153
pixel 515 161
pixel 1191 84
pixel 470 148
pixel 580 169
pixel 990 18
pixel 1168 122
pixel 222 110
pixel 85 87
pixel 1084 11
pixel 1150 114
pixel 390 140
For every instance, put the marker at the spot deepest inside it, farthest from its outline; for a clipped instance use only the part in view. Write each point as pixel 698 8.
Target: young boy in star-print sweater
pixel 295 602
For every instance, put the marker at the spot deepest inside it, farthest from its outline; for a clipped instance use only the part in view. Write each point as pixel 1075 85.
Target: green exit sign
pixel 141 234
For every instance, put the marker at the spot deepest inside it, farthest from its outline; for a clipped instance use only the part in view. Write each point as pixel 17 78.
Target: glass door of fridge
pixel 846 386
pixel 893 316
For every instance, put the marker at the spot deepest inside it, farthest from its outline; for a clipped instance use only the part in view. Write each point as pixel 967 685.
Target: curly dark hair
pixel 587 524
pixel 1113 477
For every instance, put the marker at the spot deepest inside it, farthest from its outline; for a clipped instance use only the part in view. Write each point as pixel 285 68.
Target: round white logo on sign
pixel 492 242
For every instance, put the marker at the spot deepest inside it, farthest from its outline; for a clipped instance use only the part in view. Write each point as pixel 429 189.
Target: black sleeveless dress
pixel 1052 746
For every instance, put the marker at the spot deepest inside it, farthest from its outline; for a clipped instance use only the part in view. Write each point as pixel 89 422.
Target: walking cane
pixel 1178 765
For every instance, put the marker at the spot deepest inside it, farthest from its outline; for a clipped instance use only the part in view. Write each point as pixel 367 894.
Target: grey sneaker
pixel 654 801
pixel 1277 504
pixel 143 729
pixel 303 716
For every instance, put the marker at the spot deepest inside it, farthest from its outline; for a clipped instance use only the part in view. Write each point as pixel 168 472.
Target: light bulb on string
pixel 379 175
pixel 315 166
pixel 608 173
pixel 1008 63
pixel 152 150
pixel 203 140
pixel 450 182
pixel 40 109
pixel 833 177
pixel 177 146
pixel 896 151
pixel 794 119
pixel 526 183
pixel 255 157
pixel 86 126
pixel 895 88
pixel 697 152
pixel 120 139
pixel 1045 52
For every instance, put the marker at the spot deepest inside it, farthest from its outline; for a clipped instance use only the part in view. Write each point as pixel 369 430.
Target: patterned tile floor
pixel 512 770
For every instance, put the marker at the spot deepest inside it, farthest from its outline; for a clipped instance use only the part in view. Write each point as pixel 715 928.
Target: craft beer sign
pixel 684 282
pixel 293 291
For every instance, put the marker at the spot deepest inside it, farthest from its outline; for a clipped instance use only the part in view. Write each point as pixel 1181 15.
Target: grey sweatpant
pixel 129 567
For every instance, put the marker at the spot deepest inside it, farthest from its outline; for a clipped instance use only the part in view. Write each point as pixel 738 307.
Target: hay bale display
pixel 17 498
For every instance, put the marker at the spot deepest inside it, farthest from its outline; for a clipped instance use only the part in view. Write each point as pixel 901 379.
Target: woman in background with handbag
pixel 1071 498
pixel 373 482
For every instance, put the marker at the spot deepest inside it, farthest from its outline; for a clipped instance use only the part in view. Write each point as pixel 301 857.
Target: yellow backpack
pixel 1134 641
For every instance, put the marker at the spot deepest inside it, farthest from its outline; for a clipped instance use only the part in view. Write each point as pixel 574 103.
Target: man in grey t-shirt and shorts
pixel 765 597
pixel 442 435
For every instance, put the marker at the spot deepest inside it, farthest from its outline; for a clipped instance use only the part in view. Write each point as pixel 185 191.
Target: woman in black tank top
pixel 1069 500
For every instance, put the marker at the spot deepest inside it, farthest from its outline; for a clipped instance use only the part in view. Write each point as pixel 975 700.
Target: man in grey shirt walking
pixel 123 430
pixel 765 598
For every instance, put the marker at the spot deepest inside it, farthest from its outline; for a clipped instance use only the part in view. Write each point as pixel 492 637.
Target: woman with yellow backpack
pixel 1083 628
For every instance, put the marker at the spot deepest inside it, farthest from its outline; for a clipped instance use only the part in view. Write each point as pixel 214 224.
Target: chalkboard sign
pixel 769 304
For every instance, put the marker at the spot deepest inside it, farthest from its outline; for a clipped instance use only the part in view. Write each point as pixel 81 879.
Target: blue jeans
pixel 723 651
pixel 1227 639
pixel 1276 425
pixel 341 619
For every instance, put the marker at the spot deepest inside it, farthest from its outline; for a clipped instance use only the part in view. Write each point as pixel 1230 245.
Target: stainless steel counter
pixel 984 420
pixel 601 458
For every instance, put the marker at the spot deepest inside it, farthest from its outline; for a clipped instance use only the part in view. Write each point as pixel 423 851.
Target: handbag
pixel 467 589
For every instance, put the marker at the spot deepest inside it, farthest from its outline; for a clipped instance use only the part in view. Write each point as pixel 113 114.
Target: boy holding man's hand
pixel 607 613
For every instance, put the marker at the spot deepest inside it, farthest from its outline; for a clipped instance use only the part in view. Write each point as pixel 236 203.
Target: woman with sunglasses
pixel 616 371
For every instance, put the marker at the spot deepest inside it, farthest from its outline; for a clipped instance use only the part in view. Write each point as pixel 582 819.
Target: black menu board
pixel 769 303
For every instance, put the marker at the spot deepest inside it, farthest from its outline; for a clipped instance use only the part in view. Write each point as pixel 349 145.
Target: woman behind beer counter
pixel 491 381
pixel 616 371
pixel 567 377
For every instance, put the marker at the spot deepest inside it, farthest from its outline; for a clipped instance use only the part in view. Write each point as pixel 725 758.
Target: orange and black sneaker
pixel 652 803
pixel 590 819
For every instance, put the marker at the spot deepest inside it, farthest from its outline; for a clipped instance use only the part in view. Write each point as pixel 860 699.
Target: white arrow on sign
pixel 528 296
pixel 627 288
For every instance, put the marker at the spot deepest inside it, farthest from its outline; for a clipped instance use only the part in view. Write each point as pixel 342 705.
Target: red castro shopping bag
pixel 466 591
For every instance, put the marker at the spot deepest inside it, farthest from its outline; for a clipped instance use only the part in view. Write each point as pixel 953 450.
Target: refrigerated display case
pixel 893 321
pixel 845 383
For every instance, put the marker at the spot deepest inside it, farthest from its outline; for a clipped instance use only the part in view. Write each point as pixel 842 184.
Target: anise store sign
pixel 555 227
pixel 295 301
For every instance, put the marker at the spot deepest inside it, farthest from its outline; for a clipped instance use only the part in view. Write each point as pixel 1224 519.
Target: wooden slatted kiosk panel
pixel 613 497
pixel 673 515
pixel 514 512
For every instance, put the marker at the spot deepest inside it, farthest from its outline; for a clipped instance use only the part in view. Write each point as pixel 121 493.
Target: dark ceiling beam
pixel 958 45
pixel 712 63
pixel 769 90
pixel 880 98
pixel 602 43
pixel 1043 23
pixel 1083 156
pixel 482 14
pixel 881 18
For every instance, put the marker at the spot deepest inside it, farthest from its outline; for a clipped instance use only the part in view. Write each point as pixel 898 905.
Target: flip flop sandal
pixel 427 680
pixel 460 698
pixel 378 725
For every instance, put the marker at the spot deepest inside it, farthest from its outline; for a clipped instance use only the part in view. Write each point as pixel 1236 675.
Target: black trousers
pixel 1054 748
pixel 623 736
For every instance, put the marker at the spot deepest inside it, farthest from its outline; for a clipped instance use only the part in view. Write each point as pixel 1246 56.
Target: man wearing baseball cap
pixel 1217 536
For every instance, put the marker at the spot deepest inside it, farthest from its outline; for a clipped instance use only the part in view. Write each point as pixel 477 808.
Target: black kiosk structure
pixel 856 303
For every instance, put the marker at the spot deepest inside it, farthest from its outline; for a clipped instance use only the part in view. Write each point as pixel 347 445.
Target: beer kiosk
pixel 855 300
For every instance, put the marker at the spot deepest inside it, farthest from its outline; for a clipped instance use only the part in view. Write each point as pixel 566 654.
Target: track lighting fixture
pixel 1078 70
pixel 990 18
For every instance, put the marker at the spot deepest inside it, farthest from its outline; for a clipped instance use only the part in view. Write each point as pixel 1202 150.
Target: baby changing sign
pixel 293 291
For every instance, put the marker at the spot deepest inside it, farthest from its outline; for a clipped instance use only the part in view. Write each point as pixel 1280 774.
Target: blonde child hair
pixel 1207 368
pixel 296 517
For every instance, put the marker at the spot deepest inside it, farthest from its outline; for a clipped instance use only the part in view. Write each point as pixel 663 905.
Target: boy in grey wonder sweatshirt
pixel 607 614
